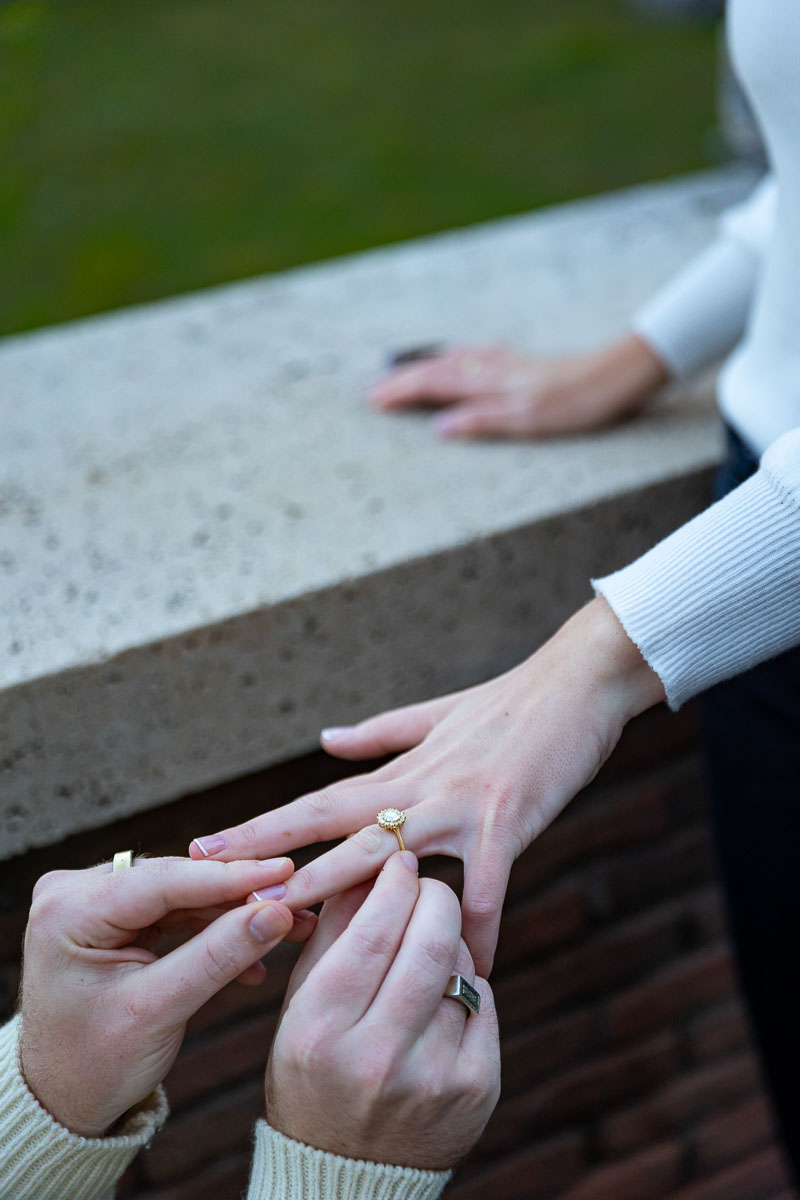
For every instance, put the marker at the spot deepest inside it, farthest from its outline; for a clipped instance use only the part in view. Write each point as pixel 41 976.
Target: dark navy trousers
pixel 752 726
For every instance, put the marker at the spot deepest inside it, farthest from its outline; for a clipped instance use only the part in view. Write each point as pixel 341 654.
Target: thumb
pixel 181 982
pixel 389 732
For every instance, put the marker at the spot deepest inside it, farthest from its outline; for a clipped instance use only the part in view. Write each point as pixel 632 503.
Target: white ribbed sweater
pixel 723 592
pixel 41 1160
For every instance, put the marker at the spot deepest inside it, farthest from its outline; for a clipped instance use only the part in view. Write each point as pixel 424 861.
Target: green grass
pixel 154 146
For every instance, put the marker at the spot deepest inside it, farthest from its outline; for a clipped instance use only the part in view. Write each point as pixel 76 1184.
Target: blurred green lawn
pixel 152 146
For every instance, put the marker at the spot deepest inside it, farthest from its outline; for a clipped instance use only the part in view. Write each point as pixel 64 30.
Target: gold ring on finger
pixel 392 819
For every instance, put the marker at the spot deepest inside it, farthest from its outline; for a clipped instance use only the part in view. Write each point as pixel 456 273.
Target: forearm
pixel 700 314
pixel 41 1160
pixel 722 593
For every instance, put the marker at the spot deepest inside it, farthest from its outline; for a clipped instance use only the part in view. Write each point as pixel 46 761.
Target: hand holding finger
pixel 352 968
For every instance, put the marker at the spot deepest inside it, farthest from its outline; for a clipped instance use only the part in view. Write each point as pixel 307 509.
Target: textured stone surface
pixel 209 547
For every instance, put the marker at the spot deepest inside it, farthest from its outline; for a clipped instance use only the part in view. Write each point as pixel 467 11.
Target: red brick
pixel 657 736
pixel 732 1135
pixel 651 873
pixel 9 990
pixel 12 930
pixel 718 1032
pixel 576 1094
pixel 654 1173
pixel 680 988
pixel 684 1100
pixel 606 821
pixel 207 1064
pixel 614 956
pixel 199 1135
pixel 549 920
pixel 530 1057
pixel 757 1178
pixel 535 1174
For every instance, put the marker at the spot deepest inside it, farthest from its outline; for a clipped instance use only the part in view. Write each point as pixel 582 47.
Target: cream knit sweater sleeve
pixel 722 593
pixel 287 1170
pixel 702 312
pixel 41 1160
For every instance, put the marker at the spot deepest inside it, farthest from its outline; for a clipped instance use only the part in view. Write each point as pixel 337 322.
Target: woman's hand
pixel 495 392
pixel 486 770
pixel 103 1018
pixel 369 1060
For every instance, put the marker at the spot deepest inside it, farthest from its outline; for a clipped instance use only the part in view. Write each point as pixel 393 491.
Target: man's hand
pixel 103 1017
pixel 369 1060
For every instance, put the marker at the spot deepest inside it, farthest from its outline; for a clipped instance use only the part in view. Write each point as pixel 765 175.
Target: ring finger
pixel 355 860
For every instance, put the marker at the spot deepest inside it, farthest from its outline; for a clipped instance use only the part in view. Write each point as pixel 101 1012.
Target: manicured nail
pixel 265 925
pixel 408 859
pixel 445 424
pixel 338 731
pixel 276 892
pixel 273 862
pixel 212 845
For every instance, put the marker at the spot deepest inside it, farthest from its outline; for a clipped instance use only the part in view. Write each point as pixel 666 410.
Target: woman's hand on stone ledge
pixel 490 392
pixel 369 1060
pixel 484 771
pixel 103 1017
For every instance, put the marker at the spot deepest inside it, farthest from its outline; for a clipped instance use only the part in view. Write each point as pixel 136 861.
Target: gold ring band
pixel 392 819
pixel 459 989
pixel 122 860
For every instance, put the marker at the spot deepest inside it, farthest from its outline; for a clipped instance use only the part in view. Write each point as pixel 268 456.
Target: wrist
pixel 628 370
pixel 616 668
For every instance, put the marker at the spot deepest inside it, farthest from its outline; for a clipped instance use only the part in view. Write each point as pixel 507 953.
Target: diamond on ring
pixel 392 819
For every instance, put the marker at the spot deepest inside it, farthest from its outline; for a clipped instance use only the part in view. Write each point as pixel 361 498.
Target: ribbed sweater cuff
pixel 700 314
pixel 722 593
pixel 287 1170
pixel 41 1160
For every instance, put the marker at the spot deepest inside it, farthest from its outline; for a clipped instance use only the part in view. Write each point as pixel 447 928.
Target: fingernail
pixel 338 731
pixel 445 424
pixel 213 844
pixel 276 892
pixel 408 859
pixel 273 862
pixel 265 925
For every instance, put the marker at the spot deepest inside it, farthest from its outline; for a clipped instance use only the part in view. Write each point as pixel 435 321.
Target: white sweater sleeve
pixel 722 593
pixel 41 1160
pixel 700 314
pixel 287 1170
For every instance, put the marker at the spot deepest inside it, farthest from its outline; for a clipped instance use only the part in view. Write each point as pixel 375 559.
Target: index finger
pixel 438 379
pixel 319 816
pixel 105 905
pixel 347 977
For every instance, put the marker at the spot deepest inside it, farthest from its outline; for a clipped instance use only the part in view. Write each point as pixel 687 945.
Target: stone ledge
pixel 209 547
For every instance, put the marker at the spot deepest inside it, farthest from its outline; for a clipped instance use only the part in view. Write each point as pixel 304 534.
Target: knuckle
pixel 304 881
pixel 46 882
pixel 373 943
pixel 248 833
pixel 481 907
pixel 220 964
pixel 480 1083
pixel 372 841
pixel 319 804
pixel 44 911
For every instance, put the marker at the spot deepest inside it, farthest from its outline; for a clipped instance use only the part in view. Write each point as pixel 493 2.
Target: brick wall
pixel 627 1069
